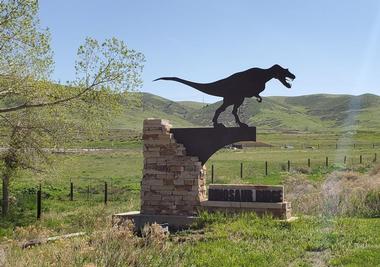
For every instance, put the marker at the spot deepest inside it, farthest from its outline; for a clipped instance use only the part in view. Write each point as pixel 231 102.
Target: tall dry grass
pixel 111 246
pixel 342 193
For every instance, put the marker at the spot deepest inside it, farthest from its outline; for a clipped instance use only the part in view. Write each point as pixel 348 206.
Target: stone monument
pixel 173 186
pixel 173 182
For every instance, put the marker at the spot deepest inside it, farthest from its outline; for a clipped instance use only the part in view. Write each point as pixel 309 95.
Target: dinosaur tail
pixel 203 87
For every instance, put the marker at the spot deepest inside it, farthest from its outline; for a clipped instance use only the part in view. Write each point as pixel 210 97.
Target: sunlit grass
pixel 224 241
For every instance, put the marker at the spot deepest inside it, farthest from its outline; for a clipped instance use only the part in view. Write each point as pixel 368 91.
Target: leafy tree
pixel 35 112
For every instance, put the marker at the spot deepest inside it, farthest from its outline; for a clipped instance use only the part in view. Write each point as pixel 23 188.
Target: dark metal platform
pixel 203 142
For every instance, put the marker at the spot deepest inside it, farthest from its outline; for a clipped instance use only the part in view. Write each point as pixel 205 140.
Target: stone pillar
pixel 173 183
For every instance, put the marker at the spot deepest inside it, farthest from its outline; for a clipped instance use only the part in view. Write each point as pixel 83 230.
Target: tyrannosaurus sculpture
pixel 233 89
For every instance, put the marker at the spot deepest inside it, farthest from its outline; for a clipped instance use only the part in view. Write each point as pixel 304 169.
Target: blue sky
pixel 331 46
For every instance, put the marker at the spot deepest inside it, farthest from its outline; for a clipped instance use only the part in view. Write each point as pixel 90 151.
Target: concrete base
pixel 175 222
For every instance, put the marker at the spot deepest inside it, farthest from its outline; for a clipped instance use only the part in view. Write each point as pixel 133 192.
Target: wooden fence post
pixel 39 202
pixel 71 191
pixel 288 165
pixel 327 161
pixel 361 159
pixel 88 192
pixel 241 170
pixel 105 193
pixel 212 173
pixel 345 159
pixel 308 163
pixel 266 168
pixel 375 158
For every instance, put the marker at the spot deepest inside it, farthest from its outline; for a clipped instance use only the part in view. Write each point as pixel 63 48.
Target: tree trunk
pixel 10 165
pixel 5 202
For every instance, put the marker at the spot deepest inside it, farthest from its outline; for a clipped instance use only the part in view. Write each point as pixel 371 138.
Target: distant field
pixel 122 171
pixel 126 138
pixel 221 240
pixel 125 166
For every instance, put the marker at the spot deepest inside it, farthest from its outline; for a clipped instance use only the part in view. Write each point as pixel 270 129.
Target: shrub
pixel 341 193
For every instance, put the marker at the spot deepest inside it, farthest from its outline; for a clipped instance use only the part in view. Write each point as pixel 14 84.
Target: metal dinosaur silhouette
pixel 233 89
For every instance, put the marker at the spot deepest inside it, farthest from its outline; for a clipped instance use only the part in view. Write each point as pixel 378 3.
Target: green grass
pixel 242 240
pixel 227 163
pixel 124 167
pixel 123 171
pixel 227 241
pixel 248 241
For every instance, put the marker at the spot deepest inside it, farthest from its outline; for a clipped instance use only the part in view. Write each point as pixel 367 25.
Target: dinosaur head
pixel 283 75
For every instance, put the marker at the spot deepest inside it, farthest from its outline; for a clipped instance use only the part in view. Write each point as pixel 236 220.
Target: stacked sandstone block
pixel 173 183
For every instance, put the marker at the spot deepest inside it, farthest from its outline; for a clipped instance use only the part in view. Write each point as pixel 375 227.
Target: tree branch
pixel 45 104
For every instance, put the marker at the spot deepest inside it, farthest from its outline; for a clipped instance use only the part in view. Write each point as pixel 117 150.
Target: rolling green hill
pixel 311 113
pixel 154 107
pixel 345 112
pixel 192 104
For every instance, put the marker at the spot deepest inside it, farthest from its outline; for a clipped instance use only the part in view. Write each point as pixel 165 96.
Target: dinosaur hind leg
pixel 234 112
pixel 217 113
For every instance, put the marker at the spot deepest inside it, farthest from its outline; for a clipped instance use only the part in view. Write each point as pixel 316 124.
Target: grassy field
pixel 216 240
pixel 122 168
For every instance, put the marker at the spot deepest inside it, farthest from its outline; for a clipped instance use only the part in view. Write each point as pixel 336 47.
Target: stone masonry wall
pixel 173 183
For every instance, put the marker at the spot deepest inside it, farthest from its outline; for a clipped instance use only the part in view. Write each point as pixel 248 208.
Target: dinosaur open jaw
pixel 288 82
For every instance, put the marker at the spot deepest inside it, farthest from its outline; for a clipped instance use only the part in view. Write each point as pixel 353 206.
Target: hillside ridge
pixel 314 113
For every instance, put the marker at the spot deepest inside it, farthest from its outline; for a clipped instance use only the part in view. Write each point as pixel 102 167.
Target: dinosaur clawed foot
pixel 219 125
pixel 259 99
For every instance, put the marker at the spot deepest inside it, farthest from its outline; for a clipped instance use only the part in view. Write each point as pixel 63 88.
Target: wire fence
pixel 311 146
pixel 110 190
pixel 248 169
